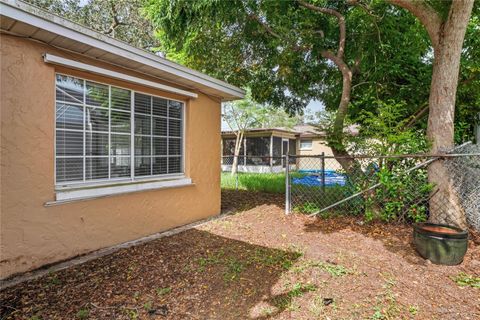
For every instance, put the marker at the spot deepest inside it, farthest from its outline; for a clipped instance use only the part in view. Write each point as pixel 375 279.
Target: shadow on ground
pixel 192 275
pixel 241 200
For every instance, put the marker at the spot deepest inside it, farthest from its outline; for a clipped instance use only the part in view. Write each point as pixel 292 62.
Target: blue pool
pixel 314 178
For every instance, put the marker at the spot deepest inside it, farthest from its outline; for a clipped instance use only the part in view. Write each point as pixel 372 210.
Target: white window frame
pixel 305 148
pixel 66 185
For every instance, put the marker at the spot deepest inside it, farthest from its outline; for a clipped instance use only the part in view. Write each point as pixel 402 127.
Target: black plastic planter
pixel 440 243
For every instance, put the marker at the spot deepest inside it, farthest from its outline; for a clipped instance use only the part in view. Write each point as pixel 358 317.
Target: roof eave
pixel 41 19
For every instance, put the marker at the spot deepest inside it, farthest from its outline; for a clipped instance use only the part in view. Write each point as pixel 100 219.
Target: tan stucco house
pixel 101 142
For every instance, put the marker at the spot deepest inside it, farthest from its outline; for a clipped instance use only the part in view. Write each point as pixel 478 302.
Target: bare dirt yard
pixel 258 263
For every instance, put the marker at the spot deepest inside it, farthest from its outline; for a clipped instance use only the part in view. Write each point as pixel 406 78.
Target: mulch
pixel 258 263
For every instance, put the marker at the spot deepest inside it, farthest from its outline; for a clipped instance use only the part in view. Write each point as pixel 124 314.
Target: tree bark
pixel 238 147
pixel 447 40
pixel 445 205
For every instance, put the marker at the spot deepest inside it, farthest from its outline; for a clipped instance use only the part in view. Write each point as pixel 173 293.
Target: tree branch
pixel 264 25
pixel 427 16
pixel 341 23
pixel 417 116
pixel 116 22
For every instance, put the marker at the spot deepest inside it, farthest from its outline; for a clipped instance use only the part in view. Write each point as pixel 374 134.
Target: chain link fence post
pixel 323 172
pixel 287 185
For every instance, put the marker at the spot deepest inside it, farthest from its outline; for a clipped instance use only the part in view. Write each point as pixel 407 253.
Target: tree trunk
pixel 238 147
pixel 445 206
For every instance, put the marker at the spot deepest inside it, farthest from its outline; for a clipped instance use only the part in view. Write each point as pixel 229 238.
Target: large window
pixel 109 133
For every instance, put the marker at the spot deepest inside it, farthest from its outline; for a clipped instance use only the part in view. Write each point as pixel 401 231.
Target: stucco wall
pixel 33 235
pixel 319 145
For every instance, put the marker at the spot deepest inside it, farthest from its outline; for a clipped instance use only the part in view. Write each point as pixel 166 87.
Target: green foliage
pixel 400 196
pixel 284 301
pixel 234 268
pixel 99 15
pixel 335 270
pixel 83 314
pixel 386 131
pixel 466 280
pixel 274 47
pixel 246 114
pixel 163 291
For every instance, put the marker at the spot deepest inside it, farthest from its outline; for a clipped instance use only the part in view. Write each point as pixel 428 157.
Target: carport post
pixel 287 185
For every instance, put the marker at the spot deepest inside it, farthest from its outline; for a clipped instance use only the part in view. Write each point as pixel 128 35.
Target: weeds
pixel 387 308
pixel 82 314
pixel 284 301
pixel 163 291
pixel 234 268
pixel 210 259
pixel 267 311
pixel 465 280
pixel 53 280
pixel 284 260
pixel 335 270
pixel 413 310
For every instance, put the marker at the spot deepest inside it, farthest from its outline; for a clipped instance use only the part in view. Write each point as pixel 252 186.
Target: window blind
pixel 107 133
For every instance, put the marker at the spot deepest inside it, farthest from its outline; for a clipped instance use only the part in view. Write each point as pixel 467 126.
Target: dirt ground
pixel 258 263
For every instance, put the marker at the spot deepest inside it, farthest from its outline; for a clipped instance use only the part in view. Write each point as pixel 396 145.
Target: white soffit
pixel 49 58
pixel 29 21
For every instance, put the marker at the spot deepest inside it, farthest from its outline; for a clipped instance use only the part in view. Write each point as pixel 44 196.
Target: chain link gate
pixel 393 187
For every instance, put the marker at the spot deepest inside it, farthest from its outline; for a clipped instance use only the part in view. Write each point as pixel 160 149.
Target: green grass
pixel 265 182
pixel 307 199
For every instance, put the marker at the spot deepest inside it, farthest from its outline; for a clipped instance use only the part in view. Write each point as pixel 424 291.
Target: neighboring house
pixel 263 148
pixel 102 142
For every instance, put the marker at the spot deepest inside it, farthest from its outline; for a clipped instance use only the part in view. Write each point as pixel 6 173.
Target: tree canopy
pixel 121 19
pixel 275 48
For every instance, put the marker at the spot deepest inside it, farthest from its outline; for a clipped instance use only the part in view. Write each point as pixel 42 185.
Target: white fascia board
pixel 44 20
pixel 49 58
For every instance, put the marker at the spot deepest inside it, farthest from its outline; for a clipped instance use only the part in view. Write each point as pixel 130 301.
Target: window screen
pixel 277 151
pixel 228 152
pixel 94 127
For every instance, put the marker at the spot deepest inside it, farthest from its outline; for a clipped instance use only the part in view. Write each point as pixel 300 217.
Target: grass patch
pixel 284 301
pixel 465 280
pixel 233 266
pixel 264 182
pixel 335 270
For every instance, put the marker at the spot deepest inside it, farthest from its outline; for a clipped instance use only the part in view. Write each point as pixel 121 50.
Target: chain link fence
pixel 403 188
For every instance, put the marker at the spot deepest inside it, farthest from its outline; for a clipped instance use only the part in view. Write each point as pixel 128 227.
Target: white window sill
pixel 101 191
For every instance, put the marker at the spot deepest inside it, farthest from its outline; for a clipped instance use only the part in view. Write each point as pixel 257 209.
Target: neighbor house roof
pixel 302 131
pixel 266 130
pixel 299 130
pixel 21 19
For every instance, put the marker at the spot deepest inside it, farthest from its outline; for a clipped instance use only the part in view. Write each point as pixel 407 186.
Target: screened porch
pixel 258 153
